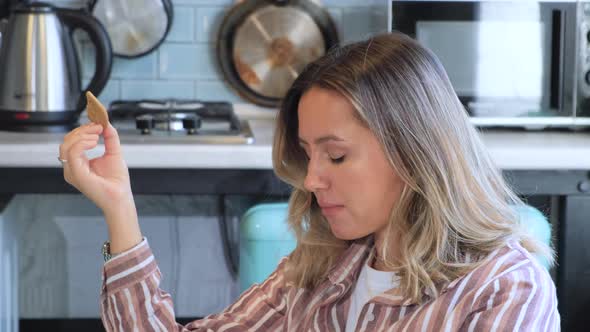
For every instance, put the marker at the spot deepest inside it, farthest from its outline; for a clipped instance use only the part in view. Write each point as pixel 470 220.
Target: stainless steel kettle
pixel 40 81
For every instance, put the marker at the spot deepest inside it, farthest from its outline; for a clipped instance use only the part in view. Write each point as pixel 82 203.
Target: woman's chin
pixel 341 232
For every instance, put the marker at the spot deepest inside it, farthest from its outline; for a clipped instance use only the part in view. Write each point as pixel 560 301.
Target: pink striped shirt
pixel 509 292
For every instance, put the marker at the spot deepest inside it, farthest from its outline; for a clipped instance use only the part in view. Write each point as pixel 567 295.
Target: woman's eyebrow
pixel 322 139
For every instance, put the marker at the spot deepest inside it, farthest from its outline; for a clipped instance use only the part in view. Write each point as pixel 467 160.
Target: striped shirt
pixel 510 291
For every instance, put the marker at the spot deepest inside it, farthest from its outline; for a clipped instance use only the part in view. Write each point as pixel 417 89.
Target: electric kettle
pixel 40 81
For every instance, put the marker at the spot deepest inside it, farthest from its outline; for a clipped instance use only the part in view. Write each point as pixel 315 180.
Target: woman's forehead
pixel 324 113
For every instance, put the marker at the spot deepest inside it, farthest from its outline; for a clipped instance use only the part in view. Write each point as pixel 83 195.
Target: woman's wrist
pixel 123 224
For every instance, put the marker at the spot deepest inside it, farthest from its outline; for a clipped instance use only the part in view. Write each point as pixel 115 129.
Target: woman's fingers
pixel 77 166
pixel 88 131
pixel 88 128
pixel 78 149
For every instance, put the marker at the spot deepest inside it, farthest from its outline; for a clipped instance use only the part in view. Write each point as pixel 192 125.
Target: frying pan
pixel 263 45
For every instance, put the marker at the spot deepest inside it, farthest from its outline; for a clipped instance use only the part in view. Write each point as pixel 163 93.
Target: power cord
pixel 229 249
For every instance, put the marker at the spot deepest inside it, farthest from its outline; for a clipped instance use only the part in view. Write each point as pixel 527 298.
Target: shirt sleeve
pixel 131 299
pixel 522 300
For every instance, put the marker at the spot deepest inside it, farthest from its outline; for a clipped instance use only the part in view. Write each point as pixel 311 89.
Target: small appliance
pixel 513 63
pixel 40 81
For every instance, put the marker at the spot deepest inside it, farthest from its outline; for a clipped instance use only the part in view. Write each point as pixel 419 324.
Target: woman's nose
pixel 314 180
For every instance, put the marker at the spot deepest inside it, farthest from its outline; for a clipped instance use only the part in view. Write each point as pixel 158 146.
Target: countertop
pixel 511 150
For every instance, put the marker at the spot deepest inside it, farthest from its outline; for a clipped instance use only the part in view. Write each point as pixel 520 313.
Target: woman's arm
pixel 131 298
pixel 522 300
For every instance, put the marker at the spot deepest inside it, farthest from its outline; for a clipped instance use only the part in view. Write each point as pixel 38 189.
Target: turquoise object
pixel 265 238
pixel 537 225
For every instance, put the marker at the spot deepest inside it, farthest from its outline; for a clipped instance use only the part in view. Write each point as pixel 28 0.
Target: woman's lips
pixel 331 210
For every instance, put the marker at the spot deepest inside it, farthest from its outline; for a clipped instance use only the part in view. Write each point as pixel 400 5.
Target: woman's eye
pixel 337 160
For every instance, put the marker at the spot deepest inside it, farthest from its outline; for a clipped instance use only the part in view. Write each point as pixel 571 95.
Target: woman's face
pixel 348 172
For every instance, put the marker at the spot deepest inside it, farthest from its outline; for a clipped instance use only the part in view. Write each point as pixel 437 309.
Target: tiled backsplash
pixel 185 66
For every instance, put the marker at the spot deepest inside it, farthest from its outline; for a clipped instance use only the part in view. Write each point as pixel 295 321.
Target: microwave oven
pixel 513 63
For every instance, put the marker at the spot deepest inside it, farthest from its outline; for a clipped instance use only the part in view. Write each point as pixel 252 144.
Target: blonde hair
pixel 455 204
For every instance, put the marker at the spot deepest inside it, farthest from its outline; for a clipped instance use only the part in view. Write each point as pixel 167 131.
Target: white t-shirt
pixel 369 284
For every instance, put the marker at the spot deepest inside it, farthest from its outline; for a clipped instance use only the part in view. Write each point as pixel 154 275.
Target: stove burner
pixel 168 121
pixel 171 104
pixel 179 121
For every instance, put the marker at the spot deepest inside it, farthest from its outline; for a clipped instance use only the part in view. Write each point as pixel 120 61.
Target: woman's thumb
pixel 112 144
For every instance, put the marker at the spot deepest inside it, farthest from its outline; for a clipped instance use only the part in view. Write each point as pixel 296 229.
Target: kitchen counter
pixel 511 150
pixel 41 149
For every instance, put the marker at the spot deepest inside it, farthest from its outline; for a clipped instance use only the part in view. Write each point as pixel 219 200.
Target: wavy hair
pixel 455 208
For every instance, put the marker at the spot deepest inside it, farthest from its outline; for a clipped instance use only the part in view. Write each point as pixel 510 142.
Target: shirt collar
pixel 351 261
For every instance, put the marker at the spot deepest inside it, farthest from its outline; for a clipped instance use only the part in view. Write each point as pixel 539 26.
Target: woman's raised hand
pixel 104 180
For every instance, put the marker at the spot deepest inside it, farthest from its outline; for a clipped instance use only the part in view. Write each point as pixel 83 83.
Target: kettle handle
pixel 102 43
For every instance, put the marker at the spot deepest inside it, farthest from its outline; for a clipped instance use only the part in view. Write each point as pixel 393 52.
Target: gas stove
pixel 178 121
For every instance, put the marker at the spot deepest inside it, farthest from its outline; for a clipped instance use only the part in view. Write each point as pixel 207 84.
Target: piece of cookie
pixel 96 112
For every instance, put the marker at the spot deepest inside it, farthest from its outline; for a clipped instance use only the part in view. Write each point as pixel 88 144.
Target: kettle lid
pixel 35 7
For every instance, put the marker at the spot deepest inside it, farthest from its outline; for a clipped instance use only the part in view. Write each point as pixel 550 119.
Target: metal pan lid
pixel 264 45
pixel 135 27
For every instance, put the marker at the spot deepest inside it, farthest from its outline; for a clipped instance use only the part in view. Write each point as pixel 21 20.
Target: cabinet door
pixel 8 272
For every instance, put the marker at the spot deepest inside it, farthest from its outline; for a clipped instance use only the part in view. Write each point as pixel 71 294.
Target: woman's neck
pixel 378 262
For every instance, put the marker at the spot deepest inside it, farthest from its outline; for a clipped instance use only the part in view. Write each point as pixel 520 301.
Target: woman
pixel 402 220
